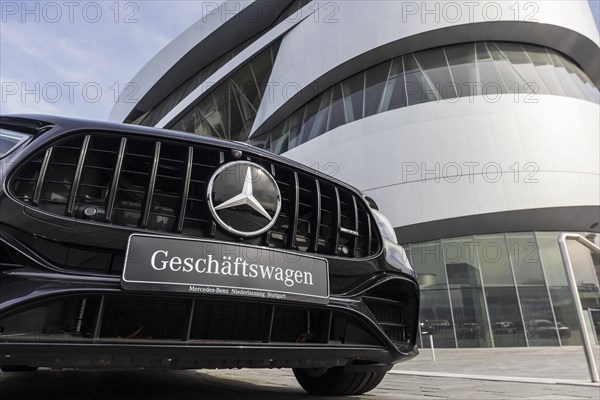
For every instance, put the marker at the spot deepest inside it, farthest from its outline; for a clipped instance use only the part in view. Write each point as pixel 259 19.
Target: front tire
pixel 340 381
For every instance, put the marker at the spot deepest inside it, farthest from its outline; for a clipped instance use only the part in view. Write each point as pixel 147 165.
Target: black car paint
pixel 36 278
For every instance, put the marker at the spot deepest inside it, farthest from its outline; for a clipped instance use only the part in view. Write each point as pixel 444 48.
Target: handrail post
pixel 432 347
pixel 564 252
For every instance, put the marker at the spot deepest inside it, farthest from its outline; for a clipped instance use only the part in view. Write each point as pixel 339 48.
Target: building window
pixel 471 69
pixel 229 110
pixel 502 290
pixel 154 116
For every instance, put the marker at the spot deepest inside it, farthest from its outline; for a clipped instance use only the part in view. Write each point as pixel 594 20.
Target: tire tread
pixel 340 381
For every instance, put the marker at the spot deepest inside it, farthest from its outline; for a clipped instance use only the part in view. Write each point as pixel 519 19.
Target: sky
pixel 73 58
pixel 595 6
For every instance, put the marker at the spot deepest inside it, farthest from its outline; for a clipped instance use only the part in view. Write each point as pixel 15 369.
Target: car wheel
pixel 338 381
pixel 17 368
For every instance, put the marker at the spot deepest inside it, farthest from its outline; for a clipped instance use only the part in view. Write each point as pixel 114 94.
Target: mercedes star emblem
pixel 244 198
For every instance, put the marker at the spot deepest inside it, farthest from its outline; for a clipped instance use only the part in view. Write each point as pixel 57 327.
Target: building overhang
pixel 571 219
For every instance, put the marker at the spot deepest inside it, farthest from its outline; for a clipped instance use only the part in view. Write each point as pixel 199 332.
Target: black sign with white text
pixel 168 264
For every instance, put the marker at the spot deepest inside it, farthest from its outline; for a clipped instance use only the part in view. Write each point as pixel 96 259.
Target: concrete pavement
pixel 535 364
pixel 477 374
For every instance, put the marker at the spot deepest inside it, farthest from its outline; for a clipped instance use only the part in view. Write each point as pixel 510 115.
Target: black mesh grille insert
pixel 161 186
pixel 127 318
pixel 228 321
pixel 137 318
pixel 389 315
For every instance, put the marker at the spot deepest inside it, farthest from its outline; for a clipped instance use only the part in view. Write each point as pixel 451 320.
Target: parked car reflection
pixel 468 330
pixel 544 328
pixel 434 326
pixel 502 327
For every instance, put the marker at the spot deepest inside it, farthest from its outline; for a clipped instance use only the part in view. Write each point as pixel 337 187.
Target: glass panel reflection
pixel 418 89
pixel 505 316
pixel 568 326
pixel 540 326
pixel 585 268
pixel 230 109
pixel 489 79
pixel 394 95
pixel 353 90
pixel 567 83
pixel 337 115
pixel 375 83
pixel 310 116
pixel 514 82
pixel 466 294
pixel 319 126
pixel 464 70
pixel 545 68
pixel 500 291
pixel 436 316
pixel 166 105
pixel 433 62
pixel 523 66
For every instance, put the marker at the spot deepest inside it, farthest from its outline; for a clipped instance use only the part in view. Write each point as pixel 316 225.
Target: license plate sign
pixel 169 264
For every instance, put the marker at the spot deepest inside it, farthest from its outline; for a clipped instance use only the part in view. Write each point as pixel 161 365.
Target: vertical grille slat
pixel 316 223
pixel 369 234
pixel 37 193
pixel 337 220
pixel 186 189
pixel 112 194
pixel 295 200
pixel 151 185
pixel 190 316
pixel 356 227
pixel 77 178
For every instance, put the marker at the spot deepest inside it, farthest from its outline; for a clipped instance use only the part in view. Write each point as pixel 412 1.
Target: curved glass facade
pixel 448 73
pixel 503 290
pixel 154 116
pixel 169 102
pixel 229 110
pixel 473 69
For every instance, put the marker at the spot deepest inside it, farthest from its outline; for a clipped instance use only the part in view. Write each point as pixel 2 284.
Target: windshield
pixel 9 140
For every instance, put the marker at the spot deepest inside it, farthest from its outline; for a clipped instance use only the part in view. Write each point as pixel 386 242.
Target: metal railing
pixel 587 344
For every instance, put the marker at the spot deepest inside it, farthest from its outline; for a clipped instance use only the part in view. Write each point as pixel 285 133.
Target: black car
pixel 128 247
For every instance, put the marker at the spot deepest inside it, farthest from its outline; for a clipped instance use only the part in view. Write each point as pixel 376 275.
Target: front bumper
pixel 66 321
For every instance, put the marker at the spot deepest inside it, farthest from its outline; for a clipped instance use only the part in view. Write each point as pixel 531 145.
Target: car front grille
pixel 160 185
pixel 136 317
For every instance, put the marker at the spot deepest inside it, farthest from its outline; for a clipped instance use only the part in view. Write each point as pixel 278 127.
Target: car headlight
pixel 9 140
pixel 385 226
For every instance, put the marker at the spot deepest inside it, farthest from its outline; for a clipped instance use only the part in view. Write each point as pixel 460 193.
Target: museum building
pixel 473 125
